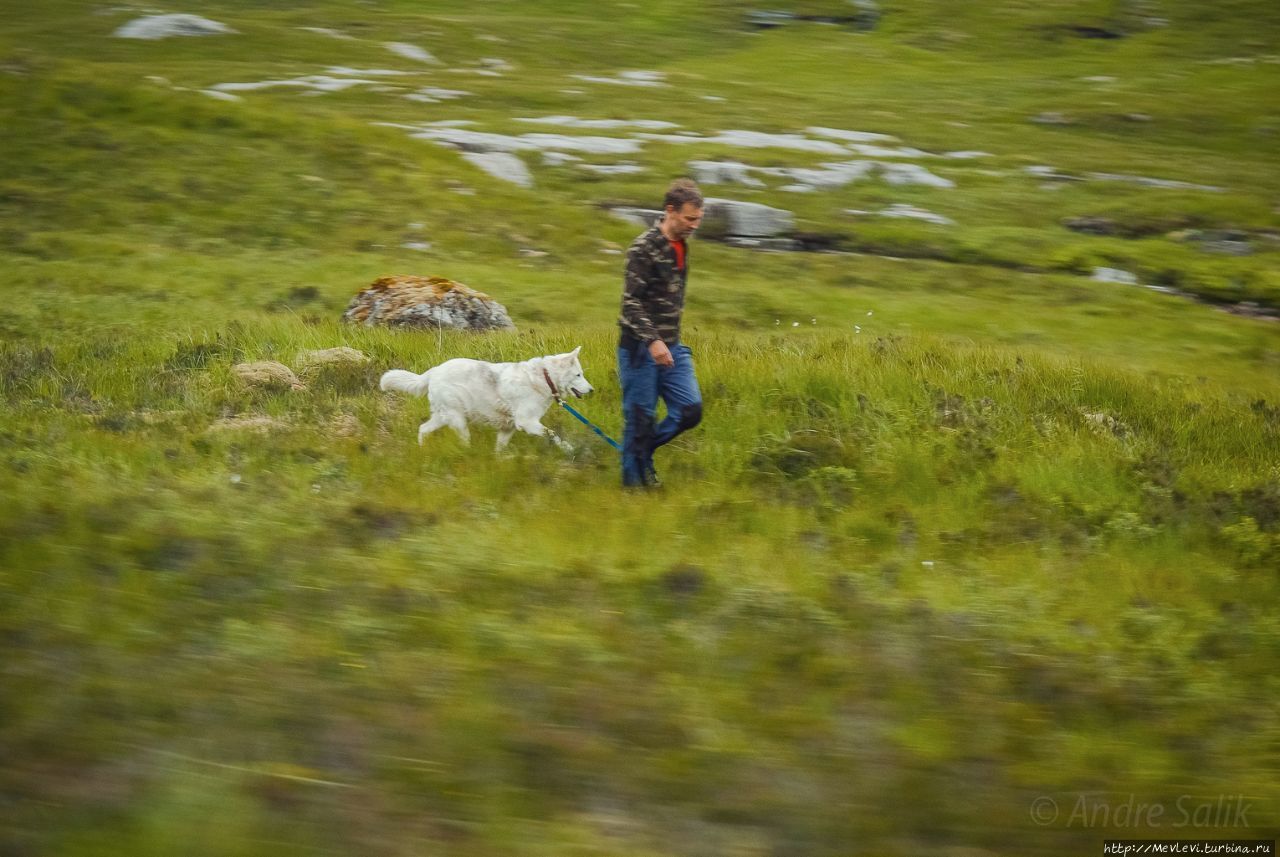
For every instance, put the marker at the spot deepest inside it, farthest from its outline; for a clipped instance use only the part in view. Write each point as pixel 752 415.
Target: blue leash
pixel 590 425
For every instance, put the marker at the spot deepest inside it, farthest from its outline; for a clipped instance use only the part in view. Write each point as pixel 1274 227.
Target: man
pixel 652 362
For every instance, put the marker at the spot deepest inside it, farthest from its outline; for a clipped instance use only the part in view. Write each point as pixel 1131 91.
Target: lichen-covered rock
pixel 341 369
pixel 428 302
pixel 267 375
pixel 340 356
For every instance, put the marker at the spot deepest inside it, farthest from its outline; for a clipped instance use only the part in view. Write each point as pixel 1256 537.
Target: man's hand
pixel 661 354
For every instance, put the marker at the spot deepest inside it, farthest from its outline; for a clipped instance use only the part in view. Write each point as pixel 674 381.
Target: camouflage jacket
pixel 653 290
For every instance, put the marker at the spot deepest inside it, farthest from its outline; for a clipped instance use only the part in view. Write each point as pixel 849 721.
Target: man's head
pixel 682 206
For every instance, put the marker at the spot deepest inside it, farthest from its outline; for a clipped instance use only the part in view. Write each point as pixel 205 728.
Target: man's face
pixel 685 221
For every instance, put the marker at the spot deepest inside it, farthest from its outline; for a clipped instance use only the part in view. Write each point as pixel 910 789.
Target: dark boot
pixel 651 479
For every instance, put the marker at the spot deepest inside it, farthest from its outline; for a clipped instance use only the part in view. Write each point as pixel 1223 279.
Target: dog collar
pixel 554 392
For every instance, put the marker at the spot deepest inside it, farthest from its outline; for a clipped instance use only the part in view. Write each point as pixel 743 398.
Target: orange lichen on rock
pixel 411 301
pixel 437 285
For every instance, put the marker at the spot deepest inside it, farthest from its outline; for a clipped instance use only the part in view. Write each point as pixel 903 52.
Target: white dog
pixel 509 396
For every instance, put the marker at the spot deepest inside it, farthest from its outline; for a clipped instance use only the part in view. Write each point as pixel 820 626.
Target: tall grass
pixel 882 565
pixel 962 529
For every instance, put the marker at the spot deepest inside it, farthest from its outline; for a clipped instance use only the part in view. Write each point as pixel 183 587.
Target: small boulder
pixel 267 375
pixel 725 217
pixel 909 174
pixel 163 26
pixel 426 302
pixel 911 212
pixel 868 14
pixel 342 369
pixel 1226 242
pixel 412 52
pixel 340 356
pixel 1114 275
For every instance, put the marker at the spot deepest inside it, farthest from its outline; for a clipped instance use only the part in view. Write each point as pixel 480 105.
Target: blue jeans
pixel 643 383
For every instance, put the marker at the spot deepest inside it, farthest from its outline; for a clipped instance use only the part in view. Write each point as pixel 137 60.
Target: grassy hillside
pixel 964 530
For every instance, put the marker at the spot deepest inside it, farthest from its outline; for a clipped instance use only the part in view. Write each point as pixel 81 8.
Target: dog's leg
pixel 504 437
pixel 534 426
pixel 458 423
pixel 436 422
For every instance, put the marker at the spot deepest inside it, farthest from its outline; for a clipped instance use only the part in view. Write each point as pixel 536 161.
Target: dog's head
pixel 567 372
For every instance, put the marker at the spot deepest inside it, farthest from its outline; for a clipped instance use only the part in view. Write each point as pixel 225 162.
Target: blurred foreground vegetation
pixel 960 531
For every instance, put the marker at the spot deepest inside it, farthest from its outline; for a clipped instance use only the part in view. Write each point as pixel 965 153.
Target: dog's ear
pixel 574 352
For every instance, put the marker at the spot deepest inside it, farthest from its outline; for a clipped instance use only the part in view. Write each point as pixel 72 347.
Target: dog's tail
pixel 406 382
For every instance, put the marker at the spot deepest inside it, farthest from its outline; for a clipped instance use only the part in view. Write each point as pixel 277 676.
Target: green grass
pixel 888 565
pixel 961 529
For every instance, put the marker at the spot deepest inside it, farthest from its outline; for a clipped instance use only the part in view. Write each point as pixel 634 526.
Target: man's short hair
pixel 682 191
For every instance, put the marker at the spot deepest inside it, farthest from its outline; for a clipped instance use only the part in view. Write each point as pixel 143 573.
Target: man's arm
pixel 634 286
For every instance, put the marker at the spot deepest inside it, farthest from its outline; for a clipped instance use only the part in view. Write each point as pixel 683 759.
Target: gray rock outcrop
pixel 313 362
pixel 904 211
pixel 906 174
pixel 723 172
pixel 163 26
pixel 827 176
pixel 501 165
pixel 267 375
pixel 1115 275
pixel 412 52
